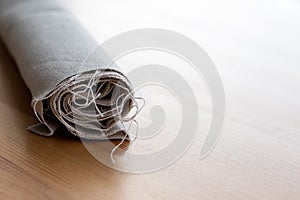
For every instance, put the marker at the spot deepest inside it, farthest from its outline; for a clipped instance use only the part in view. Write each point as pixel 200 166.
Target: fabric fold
pixel 89 97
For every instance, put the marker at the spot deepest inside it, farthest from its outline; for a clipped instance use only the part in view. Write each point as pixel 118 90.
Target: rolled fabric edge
pixel 50 48
pixel 90 105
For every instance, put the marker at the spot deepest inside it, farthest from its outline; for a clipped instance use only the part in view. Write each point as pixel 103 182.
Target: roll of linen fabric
pixel 50 46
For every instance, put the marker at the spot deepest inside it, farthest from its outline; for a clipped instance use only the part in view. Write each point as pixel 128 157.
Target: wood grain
pixel 255 48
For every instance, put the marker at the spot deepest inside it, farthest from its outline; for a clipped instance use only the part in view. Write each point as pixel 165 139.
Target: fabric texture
pixel 50 46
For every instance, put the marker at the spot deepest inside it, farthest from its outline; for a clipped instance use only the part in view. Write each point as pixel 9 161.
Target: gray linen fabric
pixel 49 46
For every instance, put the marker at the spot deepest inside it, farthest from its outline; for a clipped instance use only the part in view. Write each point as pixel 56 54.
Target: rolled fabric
pixel 50 46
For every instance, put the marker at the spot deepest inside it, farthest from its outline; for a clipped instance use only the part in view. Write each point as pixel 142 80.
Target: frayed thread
pixel 131 120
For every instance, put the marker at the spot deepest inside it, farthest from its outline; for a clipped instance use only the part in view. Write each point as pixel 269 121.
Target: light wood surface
pixel 256 48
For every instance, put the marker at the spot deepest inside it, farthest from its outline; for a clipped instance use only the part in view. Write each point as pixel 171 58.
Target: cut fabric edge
pixel 48 125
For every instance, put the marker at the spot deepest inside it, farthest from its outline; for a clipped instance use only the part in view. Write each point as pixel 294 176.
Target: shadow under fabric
pixel 49 46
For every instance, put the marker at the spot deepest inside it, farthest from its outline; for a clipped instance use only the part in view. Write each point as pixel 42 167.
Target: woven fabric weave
pixel 50 46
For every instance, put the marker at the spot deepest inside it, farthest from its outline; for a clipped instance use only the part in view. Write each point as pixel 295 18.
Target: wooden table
pixel 256 48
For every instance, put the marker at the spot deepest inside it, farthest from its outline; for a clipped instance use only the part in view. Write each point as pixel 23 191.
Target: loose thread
pixel 130 119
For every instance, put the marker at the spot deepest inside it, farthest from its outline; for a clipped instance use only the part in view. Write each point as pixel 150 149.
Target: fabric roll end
pixel 91 105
